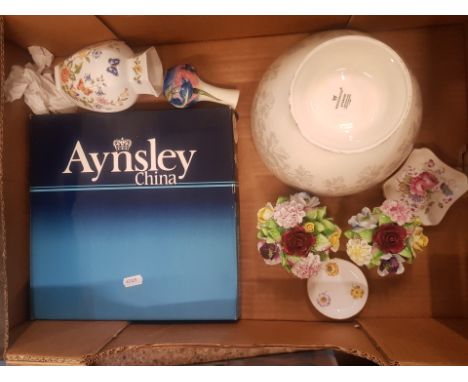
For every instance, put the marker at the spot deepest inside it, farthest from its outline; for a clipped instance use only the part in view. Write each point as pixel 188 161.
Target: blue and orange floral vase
pixel 184 88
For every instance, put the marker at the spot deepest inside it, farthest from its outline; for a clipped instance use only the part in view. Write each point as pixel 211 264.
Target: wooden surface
pixel 436 57
pixel 173 29
pixel 391 22
pixel 62 35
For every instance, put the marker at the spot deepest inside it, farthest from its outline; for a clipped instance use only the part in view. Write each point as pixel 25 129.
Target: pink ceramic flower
pixel 306 267
pixel 289 214
pixel 398 212
pixel 419 185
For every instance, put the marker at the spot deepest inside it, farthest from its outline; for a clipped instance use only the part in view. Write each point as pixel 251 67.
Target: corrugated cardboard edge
pixel 376 344
pixel 184 354
pixel 20 358
pixel 3 275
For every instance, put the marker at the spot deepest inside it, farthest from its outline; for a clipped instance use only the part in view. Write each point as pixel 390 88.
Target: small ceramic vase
pixel 108 77
pixel 183 88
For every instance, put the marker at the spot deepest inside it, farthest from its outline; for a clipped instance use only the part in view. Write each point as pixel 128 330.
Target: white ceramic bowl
pixel 337 114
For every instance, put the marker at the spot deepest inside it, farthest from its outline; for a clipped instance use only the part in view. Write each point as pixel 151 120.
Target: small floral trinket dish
pixel 339 290
pixel 296 233
pixel 427 185
pixel 385 237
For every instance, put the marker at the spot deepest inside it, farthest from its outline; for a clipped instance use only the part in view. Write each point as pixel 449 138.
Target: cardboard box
pixel 418 318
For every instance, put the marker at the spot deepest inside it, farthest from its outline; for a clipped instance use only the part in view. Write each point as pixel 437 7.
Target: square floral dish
pixel 427 185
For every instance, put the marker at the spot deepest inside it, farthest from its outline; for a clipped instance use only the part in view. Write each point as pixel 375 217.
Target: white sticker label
pixel 132 281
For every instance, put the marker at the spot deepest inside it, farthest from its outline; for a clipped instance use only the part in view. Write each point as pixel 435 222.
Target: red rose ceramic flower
pixel 390 238
pixel 297 242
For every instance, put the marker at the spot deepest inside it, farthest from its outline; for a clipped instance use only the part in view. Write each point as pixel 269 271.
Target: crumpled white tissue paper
pixel 36 83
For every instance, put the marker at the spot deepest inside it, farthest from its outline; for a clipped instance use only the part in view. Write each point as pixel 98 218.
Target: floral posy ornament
pixel 296 233
pixel 427 186
pixel 386 237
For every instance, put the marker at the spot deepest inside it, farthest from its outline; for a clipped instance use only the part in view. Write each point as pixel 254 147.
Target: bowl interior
pixel 350 93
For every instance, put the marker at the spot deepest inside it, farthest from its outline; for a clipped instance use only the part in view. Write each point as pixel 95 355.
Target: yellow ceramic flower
pixel 335 240
pixel 332 268
pixel 359 251
pixel 420 240
pixel 357 291
pixel 265 213
pixel 309 227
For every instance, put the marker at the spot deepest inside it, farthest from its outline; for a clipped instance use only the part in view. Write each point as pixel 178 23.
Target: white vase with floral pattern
pixel 108 77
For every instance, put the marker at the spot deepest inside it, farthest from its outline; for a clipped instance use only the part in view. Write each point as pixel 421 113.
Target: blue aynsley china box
pixel 134 216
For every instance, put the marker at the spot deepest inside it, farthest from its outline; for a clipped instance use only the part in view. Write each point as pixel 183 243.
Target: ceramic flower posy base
pixel 296 233
pixel 385 237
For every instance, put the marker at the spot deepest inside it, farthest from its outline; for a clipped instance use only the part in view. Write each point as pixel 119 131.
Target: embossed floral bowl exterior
pixel 107 77
pixel 337 114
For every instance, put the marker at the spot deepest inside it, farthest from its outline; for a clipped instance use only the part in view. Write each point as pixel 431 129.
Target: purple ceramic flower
pixel 305 199
pixel 323 299
pixel 270 252
pixel 391 264
pixel 365 219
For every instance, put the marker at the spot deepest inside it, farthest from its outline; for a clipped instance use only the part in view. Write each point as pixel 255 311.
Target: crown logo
pixel 122 144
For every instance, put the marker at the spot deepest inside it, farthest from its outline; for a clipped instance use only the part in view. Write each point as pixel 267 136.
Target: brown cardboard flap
pixel 16 195
pixel 435 285
pixel 138 30
pixel 210 341
pixel 418 341
pixel 62 35
pixel 3 275
pixel 388 22
pixel 458 325
pixel 61 342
